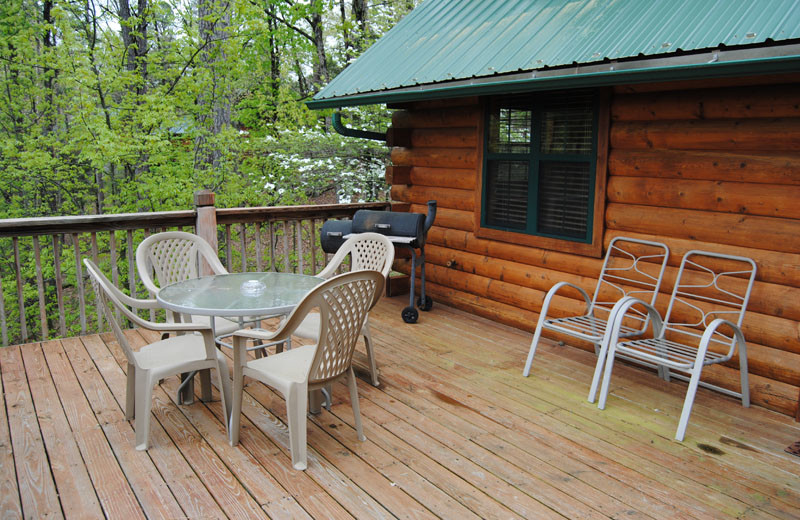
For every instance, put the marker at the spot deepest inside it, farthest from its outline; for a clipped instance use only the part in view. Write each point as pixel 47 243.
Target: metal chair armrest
pixel 554 289
pixel 713 326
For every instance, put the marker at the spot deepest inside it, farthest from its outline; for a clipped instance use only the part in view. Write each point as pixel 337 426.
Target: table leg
pixel 186 390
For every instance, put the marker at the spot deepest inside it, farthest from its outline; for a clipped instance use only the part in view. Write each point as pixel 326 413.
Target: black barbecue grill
pixel 407 230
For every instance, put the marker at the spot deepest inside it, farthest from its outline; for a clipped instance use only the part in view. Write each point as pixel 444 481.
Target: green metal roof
pixel 447 48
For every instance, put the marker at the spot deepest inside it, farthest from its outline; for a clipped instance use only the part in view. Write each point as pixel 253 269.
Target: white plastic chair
pixel 631 267
pixel 174 256
pixel 343 303
pixel 702 326
pixel 192 350
pixel 367 251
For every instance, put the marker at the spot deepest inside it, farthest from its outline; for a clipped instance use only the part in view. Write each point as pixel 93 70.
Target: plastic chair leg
pixel 373 367
pixel 351 384
pixel 296 410
pixel 144 401
pixel 234 420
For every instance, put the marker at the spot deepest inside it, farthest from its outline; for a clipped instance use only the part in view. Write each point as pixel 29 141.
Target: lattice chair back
pixel 174 256
pixel 367 251
pixel 631 268
pixel 343 303
pixel 709 286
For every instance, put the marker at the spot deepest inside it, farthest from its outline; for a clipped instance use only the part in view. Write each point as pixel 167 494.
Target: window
pixel 539 165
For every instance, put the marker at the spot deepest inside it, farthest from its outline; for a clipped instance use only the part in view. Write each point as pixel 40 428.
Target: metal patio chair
pixel 631 267
pixel 702 326
pixel 343 303
pixel 192 350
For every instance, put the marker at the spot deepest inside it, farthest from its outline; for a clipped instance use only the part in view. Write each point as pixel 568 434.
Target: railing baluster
pixel 289 231
pixel 299 237
pixel 3 323
pixel 62 322
pixel 286 263
pixel 79 282
pixel 112 246
pixel 259 252
pixel 20 297
pixel 313 246
pixel 228 261
pixel 131 265
pixel 271 246
pixel 97 263
pixel 243 245
pixel 37 254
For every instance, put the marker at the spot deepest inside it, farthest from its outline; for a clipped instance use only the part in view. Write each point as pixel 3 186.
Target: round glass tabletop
pixel 238 294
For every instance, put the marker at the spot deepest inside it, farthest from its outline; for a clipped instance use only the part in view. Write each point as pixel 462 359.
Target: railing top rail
pixel 86 223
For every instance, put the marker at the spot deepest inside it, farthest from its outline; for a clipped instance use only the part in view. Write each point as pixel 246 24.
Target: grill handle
pixel 383 227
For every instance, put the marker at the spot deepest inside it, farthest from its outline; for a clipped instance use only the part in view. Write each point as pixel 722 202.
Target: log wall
pixel 705 166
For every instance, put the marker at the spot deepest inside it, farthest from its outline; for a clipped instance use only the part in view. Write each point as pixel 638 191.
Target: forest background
pixel 127 106
pixel 115 106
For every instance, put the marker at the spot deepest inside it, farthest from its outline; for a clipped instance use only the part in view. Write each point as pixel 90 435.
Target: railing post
pixel 206 225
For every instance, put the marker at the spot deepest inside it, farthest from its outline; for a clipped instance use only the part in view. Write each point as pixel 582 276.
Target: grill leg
pixel 413 276
pixel 422 277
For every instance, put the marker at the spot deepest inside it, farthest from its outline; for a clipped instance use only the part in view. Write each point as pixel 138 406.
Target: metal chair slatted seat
pixel 631 267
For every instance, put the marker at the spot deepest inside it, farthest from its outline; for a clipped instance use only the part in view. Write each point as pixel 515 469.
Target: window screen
pixel 539 164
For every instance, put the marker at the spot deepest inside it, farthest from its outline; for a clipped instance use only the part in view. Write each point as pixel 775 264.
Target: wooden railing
pixel 43 288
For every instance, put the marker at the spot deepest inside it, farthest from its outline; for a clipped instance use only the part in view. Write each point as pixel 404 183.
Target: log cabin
pixel 671 121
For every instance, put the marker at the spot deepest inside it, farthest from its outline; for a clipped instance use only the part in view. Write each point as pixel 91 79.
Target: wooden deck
pixel 454 431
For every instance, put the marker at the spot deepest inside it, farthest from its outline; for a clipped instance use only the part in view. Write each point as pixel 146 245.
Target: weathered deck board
pixel 454 431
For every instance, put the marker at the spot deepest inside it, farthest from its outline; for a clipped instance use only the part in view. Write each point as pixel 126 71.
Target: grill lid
pixel 390 223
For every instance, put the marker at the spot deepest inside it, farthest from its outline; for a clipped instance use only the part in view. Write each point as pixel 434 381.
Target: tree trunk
pixel 361 16
pixel 347 43
pixel 214 19
pixel 321 65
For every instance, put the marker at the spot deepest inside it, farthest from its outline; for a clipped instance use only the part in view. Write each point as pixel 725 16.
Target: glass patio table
pixel 243 296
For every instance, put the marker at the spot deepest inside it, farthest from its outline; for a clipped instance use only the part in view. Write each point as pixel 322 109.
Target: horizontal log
pixel 449 218
pixel 782 269
pixel 465 240
pixel 503 292
pixel 444 138
pixel 398 175
pixel 435 157
pixel 721 103
pixel 775 332
pixel 769 200
pixel 401 207
pixel 446 197
pixel 398 137
pixel 437 118
pixel 768 168
pixel 460 178
pixel 771 394
pixel 734 134
pixel 777 234
pixel 710 83
pixel 539 278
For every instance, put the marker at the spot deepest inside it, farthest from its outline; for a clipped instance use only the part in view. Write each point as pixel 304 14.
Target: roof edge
pixel 717 63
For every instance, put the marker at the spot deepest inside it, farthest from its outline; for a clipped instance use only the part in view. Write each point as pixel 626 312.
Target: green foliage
pixel 108 112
